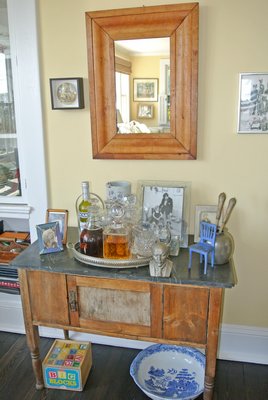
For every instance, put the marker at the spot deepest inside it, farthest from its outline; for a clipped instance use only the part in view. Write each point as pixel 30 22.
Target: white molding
pixel 243 343
pixel 237 342
pixel 20 211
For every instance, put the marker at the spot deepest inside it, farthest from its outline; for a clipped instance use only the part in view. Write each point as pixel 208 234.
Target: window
pixel 122 96
pixel 10 184
pixel 22 138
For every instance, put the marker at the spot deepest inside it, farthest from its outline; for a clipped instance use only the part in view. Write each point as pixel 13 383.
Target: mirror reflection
pixel 142 69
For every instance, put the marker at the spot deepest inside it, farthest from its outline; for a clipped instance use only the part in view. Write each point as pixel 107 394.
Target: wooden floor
pixel 109 378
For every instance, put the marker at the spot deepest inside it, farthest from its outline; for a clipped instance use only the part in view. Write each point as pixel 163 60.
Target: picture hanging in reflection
pixel 145 89
pixel 253 103
pixel 145 110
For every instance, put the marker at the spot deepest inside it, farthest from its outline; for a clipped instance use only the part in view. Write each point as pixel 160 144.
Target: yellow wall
pixel 233 39
pixel 144 67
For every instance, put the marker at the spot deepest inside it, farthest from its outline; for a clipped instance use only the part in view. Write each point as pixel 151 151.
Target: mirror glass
pixel 142 76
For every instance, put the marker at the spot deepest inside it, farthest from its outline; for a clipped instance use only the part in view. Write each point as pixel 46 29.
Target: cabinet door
pixel 115 307
pixel 185 313
pixel 48 297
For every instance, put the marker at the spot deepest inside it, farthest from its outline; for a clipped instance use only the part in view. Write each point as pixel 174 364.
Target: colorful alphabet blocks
pixel 67 365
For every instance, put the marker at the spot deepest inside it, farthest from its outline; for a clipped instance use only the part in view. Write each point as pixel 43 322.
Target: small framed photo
pixel 253 103
pixel 49 237
pixel 145 89
pixel 61 216
pixel 203 213
pixel 66 93
pixel 166 203
pixel 145 110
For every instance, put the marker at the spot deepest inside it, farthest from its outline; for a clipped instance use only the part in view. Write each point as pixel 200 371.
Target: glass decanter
pixel 116 236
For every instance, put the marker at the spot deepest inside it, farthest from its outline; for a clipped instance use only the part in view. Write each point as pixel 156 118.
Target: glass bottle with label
pixel 116 236
pixel 91 237
pixel 83 207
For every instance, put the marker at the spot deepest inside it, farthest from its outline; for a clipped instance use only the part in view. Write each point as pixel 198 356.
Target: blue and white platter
pixel 169 372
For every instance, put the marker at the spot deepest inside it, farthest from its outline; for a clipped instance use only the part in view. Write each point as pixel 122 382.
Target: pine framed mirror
pixel 179 23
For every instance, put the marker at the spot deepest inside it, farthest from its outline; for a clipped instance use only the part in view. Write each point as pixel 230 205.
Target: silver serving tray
pixel 107 262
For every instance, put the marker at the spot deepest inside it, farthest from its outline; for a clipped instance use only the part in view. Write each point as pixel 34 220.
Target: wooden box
pixel 67 365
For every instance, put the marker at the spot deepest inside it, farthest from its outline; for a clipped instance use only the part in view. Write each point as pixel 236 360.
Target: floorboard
pixel 109 378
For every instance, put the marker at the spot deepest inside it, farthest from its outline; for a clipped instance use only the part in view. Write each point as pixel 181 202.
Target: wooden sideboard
pixel 58 291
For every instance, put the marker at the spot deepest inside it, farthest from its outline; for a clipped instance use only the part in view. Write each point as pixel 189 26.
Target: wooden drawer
pixel 185 314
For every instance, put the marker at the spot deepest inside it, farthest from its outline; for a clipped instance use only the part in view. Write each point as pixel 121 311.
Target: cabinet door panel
pixel 112 306
pixel 48 294
pixel 185 314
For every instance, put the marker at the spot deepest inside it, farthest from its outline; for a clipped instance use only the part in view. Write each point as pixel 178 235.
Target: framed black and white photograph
pixel 66 93
pixel 145 111
pixel 253 103
pixel 145 89
pixel 61 216
pixel 167 204
pixel 205 213
pixel 49 238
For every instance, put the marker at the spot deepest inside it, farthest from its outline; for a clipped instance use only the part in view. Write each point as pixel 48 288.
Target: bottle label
pixel 83 215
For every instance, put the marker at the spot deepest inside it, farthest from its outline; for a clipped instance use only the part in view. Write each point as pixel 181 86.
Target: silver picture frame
pixel 253 103
pixel 49 237
pixel 203 213
pixel 176 215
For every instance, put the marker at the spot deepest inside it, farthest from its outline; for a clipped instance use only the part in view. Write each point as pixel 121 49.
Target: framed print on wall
pixel 145 89
pixel 66 93
pixel 253 103
pixel 166 203
pixel 62 217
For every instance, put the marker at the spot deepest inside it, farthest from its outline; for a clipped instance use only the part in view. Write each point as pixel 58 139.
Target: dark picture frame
pixel 66 93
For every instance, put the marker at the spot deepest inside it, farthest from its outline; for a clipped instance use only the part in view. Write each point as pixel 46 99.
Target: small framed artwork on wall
pixel 253 103
pixel 66 93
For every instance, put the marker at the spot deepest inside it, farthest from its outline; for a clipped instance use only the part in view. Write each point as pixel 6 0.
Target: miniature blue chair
pixel 206 244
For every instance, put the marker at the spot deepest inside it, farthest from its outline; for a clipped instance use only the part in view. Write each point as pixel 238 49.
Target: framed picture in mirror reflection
pixel 145 110
pixel 145 89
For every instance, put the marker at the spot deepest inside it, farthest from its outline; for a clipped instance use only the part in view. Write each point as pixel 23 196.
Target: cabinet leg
pixel 208 390
pixel 37 369
pixel 66 334
pixel 32 334
pixel 215 302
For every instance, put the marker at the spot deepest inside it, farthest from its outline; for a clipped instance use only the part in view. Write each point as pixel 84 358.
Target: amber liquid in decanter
pixel 116 246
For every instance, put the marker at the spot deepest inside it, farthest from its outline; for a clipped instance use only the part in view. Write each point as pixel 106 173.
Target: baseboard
pixel 243 343
pixel 236 342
